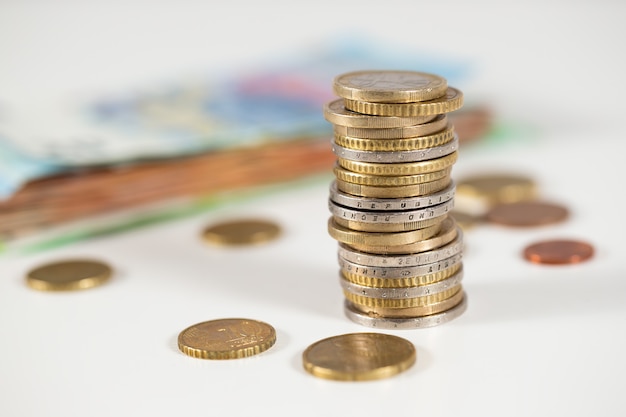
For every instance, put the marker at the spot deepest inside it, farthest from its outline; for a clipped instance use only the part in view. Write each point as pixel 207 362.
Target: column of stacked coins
pixel 399 251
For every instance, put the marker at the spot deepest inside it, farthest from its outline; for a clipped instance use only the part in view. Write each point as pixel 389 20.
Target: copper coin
pixel 558 252
pixel 526 214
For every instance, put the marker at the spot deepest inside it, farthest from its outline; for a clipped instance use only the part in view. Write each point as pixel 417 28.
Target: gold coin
pixel 241 232
pixel 393 145
pixel 403 282
pixel 465 220
pixel 389 86
pixel 74 274
pixel 437 124
pixel 394 192
pixel 395 170
pixel 497 188
pixel 361 300
pixel 359 357
pixel 453 100
pixel 343 174
pixel 446 235
pixel 348 236
pixel 407 312
pixel 337 114
pixel 387 227
pixel 226 339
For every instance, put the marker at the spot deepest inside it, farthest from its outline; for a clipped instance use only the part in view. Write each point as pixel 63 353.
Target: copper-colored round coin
pixel 558 252
pixel 68 275
pixel 359 357
pixel 241 232
pixel 526 214
pixel 226 339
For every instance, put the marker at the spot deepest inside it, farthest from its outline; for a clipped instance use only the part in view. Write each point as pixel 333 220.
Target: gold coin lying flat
pixel 389 86
pixel 498 188
pixel 359 357
pixel 336 113
pixel 75 274
pixel 226 339
pixel 241 232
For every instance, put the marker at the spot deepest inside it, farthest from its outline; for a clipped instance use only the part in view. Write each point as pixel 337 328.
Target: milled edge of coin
pixel 432 87
pixel 391 204
pixel 411 323
pixel 205 353
pixel 41 284
pixel 337 114
pixel 410 281
pixel 412 259
pixel 398 272
pixel 452 101
pixel 402 292
pixel 409 312
pixel 436 125
pixel 391 216
pixel 390 157
pixel 396 144
pixel 399 169
pixel 351 177
pixel 402 191
pixel 396 303
pixel 372 374
pixel 210 235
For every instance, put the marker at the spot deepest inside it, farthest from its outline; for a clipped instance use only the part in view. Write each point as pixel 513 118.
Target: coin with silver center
pixel 388 157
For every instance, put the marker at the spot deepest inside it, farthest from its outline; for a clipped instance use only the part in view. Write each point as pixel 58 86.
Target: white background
pixel 536 340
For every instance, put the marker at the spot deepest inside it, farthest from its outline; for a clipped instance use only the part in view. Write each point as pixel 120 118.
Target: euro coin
pixel 241 232
pixel 526 214
pixel 558 252
pixel 359 357
pixel 68 275
pixel 226 339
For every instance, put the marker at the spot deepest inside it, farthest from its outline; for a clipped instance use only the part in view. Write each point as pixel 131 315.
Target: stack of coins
pixel 399 251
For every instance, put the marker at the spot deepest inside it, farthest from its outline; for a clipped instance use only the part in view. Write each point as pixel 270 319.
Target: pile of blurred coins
pixel 399 251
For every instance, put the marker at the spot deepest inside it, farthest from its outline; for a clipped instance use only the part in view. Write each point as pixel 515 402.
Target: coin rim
pixel 77 284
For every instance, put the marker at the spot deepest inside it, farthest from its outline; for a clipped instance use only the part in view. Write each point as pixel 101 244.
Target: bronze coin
pixel 558 252
pixel 526 214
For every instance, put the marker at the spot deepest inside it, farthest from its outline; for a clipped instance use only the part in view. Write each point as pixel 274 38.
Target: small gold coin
pixel 394 145
pixel 430 128
pixel 407 312
pixel 389 86
pixel 343 174
pixel 498 188
pixel 465 220
pixel 401 302
pixel 349 236
pixel 336 113
pixel 74 274
pixel 453 100
pixel 359 357
pixel 226 339
pixel 411 281
pixel 414 190
pixel 241 232
pixel 395 170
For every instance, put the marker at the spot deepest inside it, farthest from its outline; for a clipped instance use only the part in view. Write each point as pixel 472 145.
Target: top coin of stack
pixel 399 251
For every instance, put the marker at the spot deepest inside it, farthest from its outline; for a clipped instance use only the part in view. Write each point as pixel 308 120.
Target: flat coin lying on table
pixel 558 252
pixel 68 275
pixel 526 214
pixel 359 357
pixel 226 339
pixel 498 188
pixel 241 232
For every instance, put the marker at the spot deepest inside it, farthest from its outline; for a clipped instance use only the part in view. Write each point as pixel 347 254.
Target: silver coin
pixel 405 323
pixel 382 217
pixel 391 204
pixel 389 157
pixel 413 259
pixel 395 272
pixel 404 292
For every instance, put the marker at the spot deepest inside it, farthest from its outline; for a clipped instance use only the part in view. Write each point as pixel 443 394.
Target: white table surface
pixel 535 340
